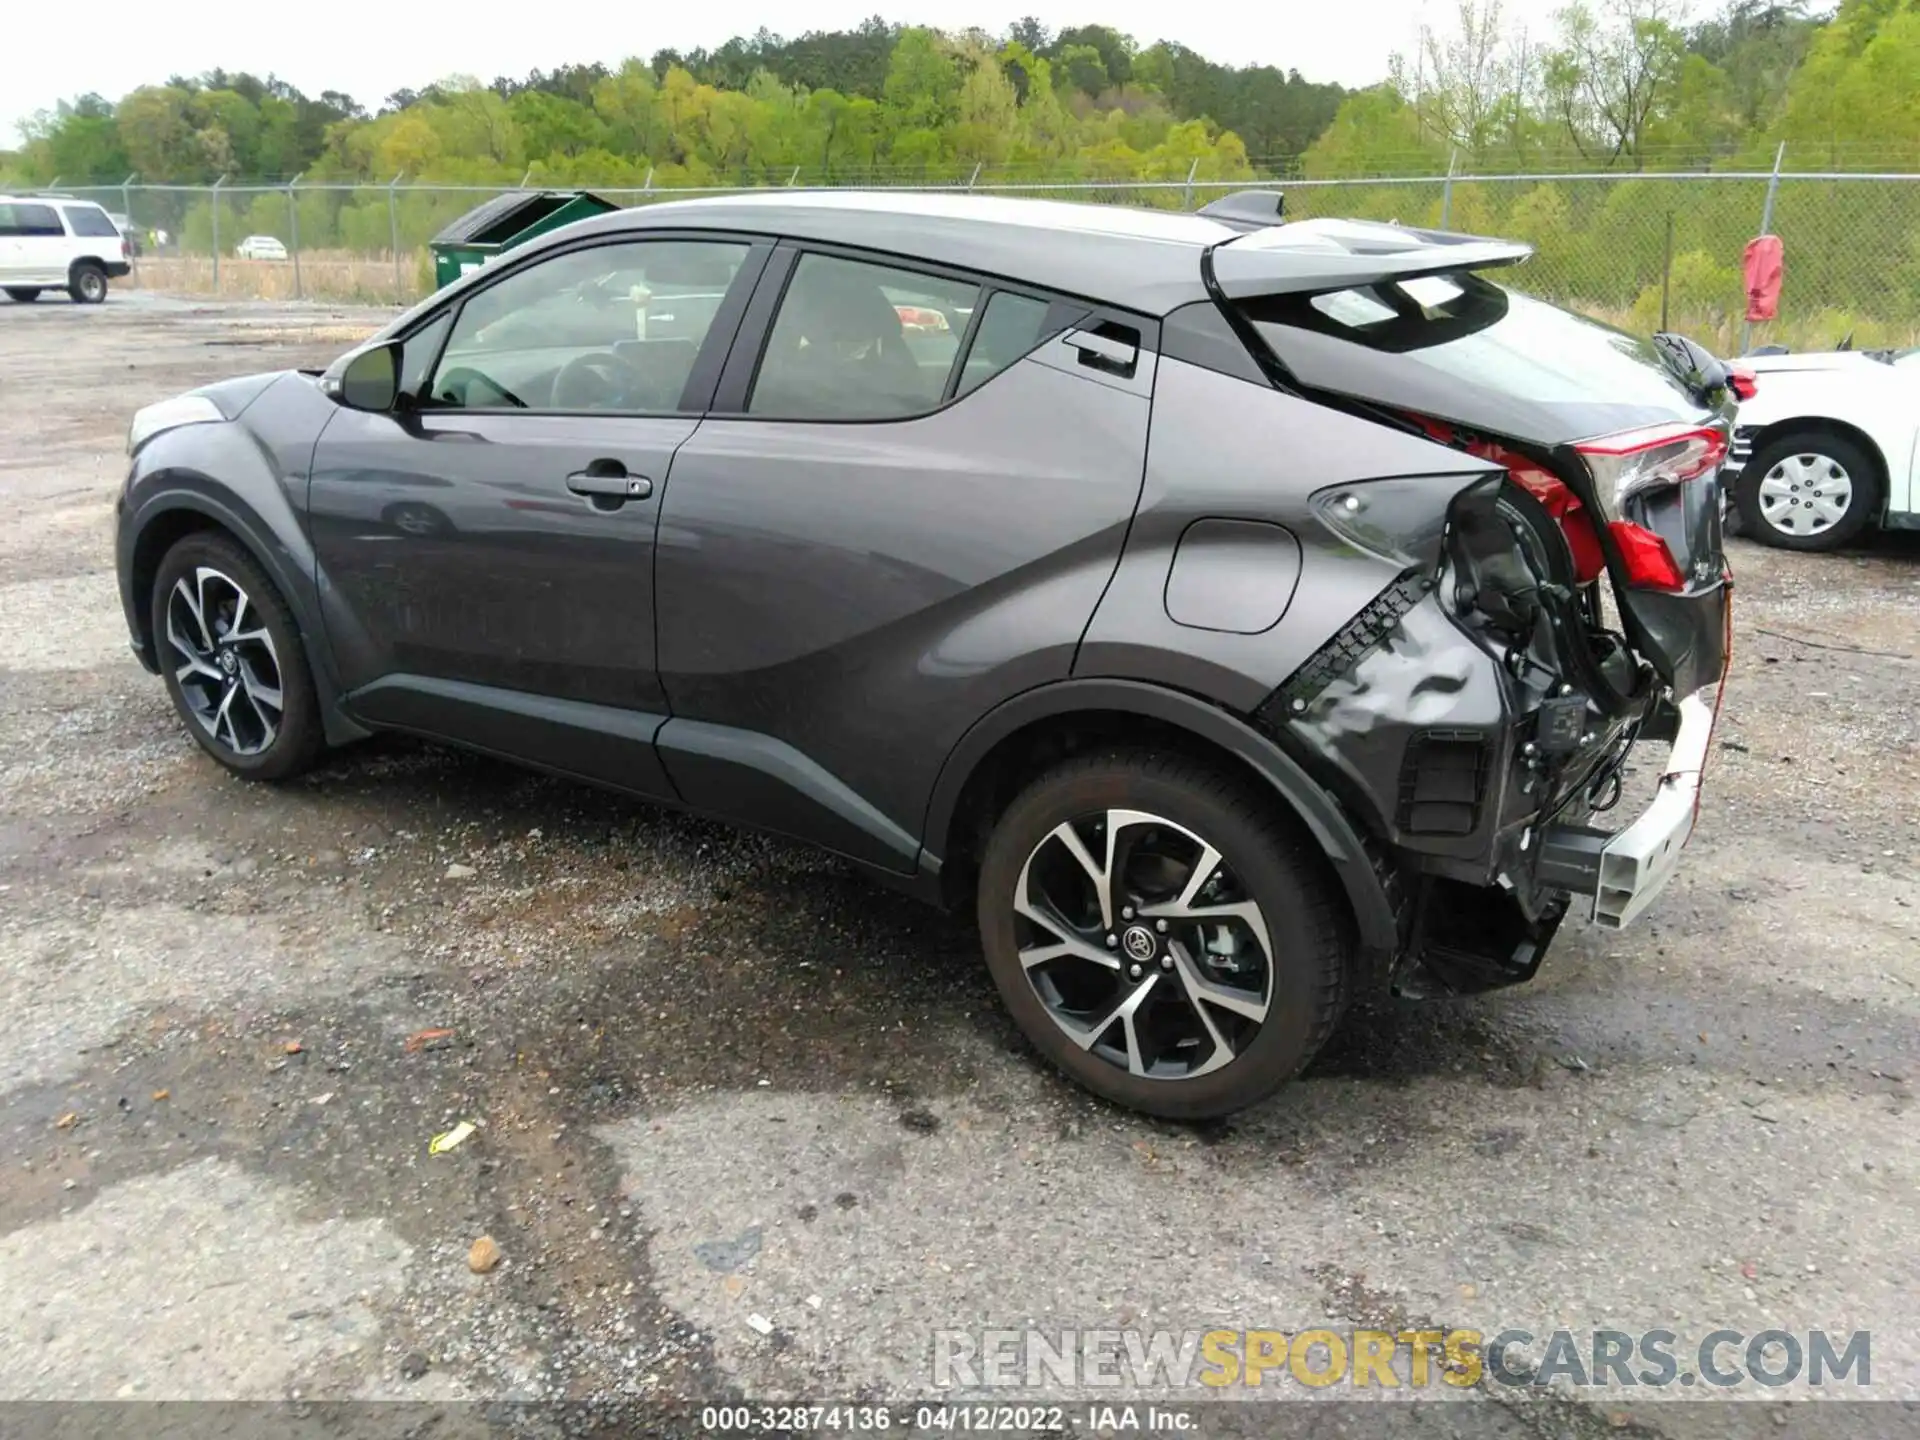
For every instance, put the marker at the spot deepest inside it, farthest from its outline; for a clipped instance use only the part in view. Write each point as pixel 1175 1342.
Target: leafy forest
pixel 1628 84
pixel 1630 88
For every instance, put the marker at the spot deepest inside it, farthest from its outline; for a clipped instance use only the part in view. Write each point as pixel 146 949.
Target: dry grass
pixel 343 275
pixel 1721 332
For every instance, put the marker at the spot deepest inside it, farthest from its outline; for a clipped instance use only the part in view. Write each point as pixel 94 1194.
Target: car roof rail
pixel 1248 210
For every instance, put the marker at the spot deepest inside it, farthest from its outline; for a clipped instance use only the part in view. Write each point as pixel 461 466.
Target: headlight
pixel 170 415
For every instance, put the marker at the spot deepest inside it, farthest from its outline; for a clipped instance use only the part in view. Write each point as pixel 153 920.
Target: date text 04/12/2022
pixel 970 1419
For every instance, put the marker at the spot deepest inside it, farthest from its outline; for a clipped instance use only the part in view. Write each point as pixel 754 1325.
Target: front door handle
pixel 609 480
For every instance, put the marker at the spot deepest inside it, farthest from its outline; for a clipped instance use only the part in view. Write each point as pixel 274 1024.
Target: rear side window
pixel 858 341
pixel 1009 329
pixel 36 220
pixel 90 220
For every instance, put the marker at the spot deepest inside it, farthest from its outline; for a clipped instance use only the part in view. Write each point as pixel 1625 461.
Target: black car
pixel 1242 615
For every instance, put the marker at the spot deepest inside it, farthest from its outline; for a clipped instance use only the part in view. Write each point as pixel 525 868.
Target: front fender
pixel 227 475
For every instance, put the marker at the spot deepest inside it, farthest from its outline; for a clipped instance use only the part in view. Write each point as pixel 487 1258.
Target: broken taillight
pixel 1635 463
pixel 1553 493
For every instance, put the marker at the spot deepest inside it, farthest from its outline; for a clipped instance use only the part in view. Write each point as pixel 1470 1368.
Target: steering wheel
pixel 460 380
pixel 596 381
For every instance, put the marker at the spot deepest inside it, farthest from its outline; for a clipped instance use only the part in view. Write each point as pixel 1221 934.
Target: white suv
pixel 52 242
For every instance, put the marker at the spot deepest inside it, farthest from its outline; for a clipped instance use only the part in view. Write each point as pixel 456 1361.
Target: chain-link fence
pixel 1647 250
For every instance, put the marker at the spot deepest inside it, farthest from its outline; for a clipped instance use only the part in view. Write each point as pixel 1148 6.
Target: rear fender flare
pixel 1374 915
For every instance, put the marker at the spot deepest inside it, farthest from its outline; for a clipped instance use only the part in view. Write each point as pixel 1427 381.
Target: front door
pixel 486 551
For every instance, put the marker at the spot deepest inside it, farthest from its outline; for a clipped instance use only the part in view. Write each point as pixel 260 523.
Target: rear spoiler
pixel 1309 256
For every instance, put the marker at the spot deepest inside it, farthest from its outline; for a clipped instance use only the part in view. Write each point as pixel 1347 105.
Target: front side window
pixel 90 220
pixel 616 328
pixel 419 351
pixel 859 341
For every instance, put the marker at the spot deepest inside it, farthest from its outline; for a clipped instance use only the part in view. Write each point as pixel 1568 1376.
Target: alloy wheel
pixel 1142 944
pixel 225 662
pixel 1805 494
pixel 93 286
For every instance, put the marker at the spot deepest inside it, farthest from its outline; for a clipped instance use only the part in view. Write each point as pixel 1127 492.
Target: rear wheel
pixel 23 294
pixel 233 662
pixel 1159 935
pixel 1808 491
pixel 87 284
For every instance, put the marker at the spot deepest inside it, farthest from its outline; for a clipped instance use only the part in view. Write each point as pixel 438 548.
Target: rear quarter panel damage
pixel 1227 449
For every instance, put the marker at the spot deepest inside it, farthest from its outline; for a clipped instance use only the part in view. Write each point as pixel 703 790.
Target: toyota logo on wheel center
pixel 1138 942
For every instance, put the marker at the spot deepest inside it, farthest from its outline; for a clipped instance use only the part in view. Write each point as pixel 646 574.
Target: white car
pixel 1827 447
pixel 54 242
pixel 260 247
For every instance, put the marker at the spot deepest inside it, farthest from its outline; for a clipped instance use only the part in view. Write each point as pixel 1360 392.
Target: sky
pixel 370 48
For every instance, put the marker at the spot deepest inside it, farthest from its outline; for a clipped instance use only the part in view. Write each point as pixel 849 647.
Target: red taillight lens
pixel 1743 382
pixel 1553 493
pixel 1649 563
pixel 1565 507
pixel 1624 465
pixel 1635 462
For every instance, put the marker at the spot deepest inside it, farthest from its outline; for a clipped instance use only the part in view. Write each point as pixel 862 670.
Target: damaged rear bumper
pixel 1618 874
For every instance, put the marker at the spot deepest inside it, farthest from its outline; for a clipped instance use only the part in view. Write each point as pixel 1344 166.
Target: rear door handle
pixel 609 480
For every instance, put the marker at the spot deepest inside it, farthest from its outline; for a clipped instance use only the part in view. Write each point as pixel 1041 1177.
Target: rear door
pixel 44 249
pixel 12 256
pixel 487 551
pixel 911 492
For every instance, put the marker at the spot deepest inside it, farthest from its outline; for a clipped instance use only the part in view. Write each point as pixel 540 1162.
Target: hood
pixel 1826 360
pixel 232 397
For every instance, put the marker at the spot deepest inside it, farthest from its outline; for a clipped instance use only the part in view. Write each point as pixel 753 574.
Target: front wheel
pixel 234 666
pixel 23 294
pixel 1160 935
pixel 88 284
pixel 1809 491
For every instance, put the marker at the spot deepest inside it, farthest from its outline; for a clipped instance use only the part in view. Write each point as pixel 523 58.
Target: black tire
pixel 1268 862
pixel 23 294
pixel 1811 453
pixel 297 737
pixel 87 283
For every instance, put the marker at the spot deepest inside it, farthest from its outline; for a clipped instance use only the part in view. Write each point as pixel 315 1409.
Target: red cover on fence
pixel 1763 263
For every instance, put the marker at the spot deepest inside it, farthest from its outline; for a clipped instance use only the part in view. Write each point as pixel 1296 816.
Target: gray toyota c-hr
pixel 1241 615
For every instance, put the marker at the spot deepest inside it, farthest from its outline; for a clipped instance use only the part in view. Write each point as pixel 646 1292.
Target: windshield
pixel 1459 347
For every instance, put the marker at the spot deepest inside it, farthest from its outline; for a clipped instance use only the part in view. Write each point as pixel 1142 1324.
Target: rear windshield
pixel 1462 348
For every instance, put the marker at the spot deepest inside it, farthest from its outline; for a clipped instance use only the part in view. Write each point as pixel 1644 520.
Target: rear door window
pixel 36 220
pixel 1011 326
pixel 854 340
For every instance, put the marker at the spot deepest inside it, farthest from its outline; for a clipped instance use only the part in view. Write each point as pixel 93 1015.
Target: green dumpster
pixel 505 221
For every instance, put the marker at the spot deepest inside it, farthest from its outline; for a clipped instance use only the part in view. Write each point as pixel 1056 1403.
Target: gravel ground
pixel 724 1088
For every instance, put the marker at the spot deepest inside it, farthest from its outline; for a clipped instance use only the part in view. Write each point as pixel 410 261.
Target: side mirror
pixel 371 379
